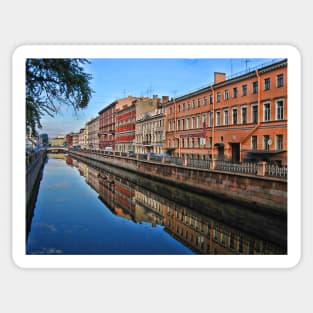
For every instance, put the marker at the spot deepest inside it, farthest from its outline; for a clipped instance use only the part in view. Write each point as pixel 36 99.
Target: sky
pixel 118 78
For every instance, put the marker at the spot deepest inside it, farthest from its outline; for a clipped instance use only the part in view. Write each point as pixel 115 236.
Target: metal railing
pixel 198 163
pixel 244 168
pixel 175 160
pixel 250 168
pixel 276 171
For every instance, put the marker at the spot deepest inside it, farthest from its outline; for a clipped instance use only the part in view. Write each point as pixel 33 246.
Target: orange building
pixel 237 119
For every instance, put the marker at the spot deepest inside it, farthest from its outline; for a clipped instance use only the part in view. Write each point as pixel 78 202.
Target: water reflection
pixel 205 231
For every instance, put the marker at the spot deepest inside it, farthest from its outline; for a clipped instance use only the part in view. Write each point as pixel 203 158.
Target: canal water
pixel 84 207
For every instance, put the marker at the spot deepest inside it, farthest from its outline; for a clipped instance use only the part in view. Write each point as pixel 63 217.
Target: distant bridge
pixel 57 149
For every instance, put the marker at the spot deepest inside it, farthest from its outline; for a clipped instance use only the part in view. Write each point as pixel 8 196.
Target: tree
pixel 51 83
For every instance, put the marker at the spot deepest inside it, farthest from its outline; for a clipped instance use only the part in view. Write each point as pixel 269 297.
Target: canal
pixel 85 207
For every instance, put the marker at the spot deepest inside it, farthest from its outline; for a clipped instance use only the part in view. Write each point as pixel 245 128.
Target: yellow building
pixel 58 141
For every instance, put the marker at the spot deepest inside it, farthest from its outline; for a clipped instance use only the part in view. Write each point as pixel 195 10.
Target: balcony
pixel 146 143
pixel 159 129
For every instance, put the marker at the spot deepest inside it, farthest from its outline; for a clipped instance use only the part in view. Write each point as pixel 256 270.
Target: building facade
pixel 69 140
pixel 150 131
pixel 125 121
pixel 107 127
pixel 82 138
pixel 237 119
pixel 93 133
pixel 58 141
pixel 43 140
pixel 75 139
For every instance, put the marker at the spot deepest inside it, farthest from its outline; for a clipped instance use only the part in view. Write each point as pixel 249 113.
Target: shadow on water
pixel 31 204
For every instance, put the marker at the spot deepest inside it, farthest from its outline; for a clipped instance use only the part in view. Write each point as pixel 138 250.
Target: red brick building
pixel 107 127
pixel 125 122
pixel 69 140
pixel 242 118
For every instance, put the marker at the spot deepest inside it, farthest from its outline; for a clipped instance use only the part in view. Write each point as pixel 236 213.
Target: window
pixel 254 87
pixel 244 90
pixel 235 92
pixel 210 142
pixel 266 139
pixel 184 106
pixel 279 142
pixel 193 124
pixel 188 123
pixel 254 142
pixel 182 124
pixel 226 95
pixel 205 101
pixel 218 97
pixel 218 118
pixel 254 114
pixel 210 119
pixel 193 104
pixel 279 109
pixel 203 119
pixel 186 143
pixel 199 102
pixel 267 84
pixel 179 108
pixel 211 99
pixel 266 112
pixel 178 125
pixel 198 121
pixel 226 117
pixel 188 105
pixel 280 80
pixel 235 116
pixel 244 115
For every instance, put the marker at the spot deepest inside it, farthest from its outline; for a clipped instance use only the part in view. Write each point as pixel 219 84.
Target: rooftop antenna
pixel 174 93
pixel 231 67
pixel 246 61
pixel 149 91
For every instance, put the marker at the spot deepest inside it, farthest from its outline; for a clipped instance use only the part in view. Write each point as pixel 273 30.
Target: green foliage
pixel 51 83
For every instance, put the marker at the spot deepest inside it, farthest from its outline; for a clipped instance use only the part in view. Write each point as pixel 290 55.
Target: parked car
pixel 149 153
pixel 131 153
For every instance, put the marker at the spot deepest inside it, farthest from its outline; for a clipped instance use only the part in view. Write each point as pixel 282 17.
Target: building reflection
pixel 199 232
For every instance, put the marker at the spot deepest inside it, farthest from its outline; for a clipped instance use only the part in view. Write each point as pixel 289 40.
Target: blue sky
pixel 117 78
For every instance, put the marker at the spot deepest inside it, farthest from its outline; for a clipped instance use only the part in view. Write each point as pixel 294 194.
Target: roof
pixel 251 73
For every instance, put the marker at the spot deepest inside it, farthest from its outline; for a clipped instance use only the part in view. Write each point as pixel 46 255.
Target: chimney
pixel 219 77
pixel 155 99
pixel 165 99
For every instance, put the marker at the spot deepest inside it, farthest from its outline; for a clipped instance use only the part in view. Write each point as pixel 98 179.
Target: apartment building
pixel 75 139
pixel 107 127
pixel 150 132
pixel 82 138
pixel 237 119
pixel 125 121
pixel 58 141
pixel 92 131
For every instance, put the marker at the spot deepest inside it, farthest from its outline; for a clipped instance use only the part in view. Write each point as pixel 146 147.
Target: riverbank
pixel 34 167
pixel 263 193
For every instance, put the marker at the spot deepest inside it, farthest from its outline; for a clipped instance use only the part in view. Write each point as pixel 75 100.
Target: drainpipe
pixel 213 123
pixel 175 128
pixel 259 109
pixel 259 97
